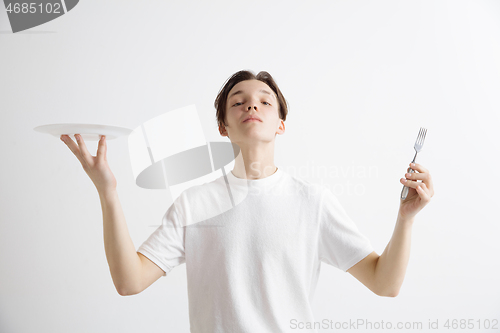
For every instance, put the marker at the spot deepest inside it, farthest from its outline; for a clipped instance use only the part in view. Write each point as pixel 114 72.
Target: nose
pixel 252 103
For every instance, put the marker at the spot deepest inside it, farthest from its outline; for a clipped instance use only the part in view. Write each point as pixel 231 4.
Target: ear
pixel 281 128
pixel 223 131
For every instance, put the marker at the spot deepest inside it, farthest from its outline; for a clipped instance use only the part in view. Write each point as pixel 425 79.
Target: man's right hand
pixel 96 167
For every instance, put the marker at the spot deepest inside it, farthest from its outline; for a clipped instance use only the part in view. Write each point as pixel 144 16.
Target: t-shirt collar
pixel 269 180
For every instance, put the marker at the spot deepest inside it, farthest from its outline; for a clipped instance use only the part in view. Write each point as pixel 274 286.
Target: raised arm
pixel 131 272
pixel 384 274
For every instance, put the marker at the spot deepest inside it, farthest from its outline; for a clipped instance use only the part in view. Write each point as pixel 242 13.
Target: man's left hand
pixel 417 198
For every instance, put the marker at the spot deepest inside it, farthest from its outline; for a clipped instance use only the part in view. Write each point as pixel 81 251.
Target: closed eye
pixel 239 103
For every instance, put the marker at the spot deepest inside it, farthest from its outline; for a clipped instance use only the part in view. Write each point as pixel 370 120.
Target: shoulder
pixel 200 202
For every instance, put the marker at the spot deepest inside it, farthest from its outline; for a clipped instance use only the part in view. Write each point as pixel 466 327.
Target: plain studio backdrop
pixel 361 78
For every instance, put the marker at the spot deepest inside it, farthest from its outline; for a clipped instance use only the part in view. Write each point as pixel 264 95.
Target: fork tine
pixel 422 137
pixel 419 136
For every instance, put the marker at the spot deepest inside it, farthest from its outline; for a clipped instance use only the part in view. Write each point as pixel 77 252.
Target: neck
pixel 255 161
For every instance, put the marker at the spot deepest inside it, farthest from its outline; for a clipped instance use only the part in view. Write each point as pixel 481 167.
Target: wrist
pixel 405 219
pixel 106 193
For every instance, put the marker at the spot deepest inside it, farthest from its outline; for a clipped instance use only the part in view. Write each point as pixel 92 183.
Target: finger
pixel 423 192
pixel 409 170
pixel 429 184
pixel 72 146
pixel 414 184
pixel 102 148
pixel 416 176
pixel 83 148
pixel 410 183
pixel 418 167
pixel 426 177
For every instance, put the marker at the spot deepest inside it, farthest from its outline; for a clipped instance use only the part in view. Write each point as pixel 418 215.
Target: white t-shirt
pixel 254 267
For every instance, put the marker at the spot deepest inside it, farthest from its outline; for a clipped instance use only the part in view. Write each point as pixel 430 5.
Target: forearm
pixel 391 266
pixel 124 263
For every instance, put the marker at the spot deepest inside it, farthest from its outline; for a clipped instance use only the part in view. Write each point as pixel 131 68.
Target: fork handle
pixel 404 192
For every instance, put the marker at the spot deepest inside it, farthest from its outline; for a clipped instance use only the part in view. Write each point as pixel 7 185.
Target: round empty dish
pixel 88 132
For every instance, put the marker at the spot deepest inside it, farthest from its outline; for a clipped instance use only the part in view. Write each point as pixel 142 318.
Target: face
pixel 252 98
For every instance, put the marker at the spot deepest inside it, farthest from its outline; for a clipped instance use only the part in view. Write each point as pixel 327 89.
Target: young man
pixel 254 267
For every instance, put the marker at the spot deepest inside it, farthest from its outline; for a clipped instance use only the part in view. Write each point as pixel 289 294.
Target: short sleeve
pixel 341 244
pixel 165 246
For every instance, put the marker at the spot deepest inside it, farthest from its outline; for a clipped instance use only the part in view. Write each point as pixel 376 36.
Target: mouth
pixel 252 118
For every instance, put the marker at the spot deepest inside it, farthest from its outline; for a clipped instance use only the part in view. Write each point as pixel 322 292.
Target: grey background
pixel 361 78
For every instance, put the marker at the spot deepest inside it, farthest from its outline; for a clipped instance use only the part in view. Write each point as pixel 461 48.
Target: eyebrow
pixel 241 91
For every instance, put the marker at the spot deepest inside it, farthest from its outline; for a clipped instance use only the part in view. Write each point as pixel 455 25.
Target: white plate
pixel 89 132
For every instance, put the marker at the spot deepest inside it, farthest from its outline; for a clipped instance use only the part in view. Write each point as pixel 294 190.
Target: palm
pixel 96 167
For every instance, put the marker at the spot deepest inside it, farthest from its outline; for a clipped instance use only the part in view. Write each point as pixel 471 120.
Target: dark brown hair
pixel 221 100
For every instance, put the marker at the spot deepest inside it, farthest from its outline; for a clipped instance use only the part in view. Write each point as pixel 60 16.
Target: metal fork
pixel 418 147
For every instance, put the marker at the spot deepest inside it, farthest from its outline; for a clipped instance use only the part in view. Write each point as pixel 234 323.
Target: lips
pixel 252 118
